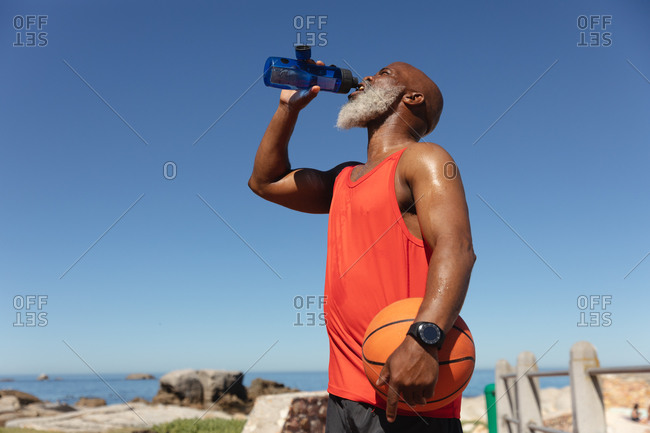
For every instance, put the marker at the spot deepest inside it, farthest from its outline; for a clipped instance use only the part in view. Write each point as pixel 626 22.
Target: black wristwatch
pixel 427 333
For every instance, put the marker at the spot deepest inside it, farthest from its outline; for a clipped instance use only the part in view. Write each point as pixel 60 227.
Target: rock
pixel 624 390
pixel 35 409
pixel 6 379
pixel 165 397
pixel 9 403
pixel 180 387
pixel 139 376
pixel 53 406
pixel 305 413
pixel 556 402
pixel 214 389
pixel 288 412
pixel 216 382
pixel 90 402
pixel 113 417
pixel 4 417
pixel 42 377
pixel 46 408
pixel 561 422
pixel 266 387
pixel 23 397
pixel 139 400
pixel 201 388
pixel 232 404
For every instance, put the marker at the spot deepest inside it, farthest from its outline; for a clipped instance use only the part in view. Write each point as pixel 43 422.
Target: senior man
pixel 398 228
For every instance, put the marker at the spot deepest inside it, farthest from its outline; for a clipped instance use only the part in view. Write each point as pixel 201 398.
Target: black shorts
pixel 347 416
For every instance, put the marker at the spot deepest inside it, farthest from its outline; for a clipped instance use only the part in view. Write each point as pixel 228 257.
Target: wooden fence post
pixel 586 395
pixel 505 400
pixel 528 398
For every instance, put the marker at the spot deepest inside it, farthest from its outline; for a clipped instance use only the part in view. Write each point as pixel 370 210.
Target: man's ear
pixel 413 98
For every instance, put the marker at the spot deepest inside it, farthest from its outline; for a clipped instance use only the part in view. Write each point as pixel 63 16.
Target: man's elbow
pixel 456 250
pixel 472 255
pixel 465 254
pixel 256 186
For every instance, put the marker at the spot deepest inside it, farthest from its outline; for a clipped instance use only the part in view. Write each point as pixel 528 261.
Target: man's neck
pixel 386 140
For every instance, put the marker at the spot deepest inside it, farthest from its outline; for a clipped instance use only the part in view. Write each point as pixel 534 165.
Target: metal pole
pixel 490 403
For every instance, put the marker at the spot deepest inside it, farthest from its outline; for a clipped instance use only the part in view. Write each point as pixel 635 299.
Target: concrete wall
pixel 296 412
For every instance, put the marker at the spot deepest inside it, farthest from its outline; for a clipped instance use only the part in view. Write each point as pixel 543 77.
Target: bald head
pixel 421 96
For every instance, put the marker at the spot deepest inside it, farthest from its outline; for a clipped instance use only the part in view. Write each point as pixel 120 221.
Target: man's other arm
pixel 444 222
pixel 273 179
pixel 441 208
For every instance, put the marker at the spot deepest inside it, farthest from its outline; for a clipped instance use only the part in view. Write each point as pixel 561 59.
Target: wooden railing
pixel 518 397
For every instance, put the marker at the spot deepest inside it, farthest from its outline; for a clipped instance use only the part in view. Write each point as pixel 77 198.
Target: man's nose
pixel 368 78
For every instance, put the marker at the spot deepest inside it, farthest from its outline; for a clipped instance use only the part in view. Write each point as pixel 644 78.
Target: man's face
pixel 374 98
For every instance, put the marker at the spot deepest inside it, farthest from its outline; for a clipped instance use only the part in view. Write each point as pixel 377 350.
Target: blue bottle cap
pixel 303 52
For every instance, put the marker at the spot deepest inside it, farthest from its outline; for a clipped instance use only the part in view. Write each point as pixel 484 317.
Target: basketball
pixel 456 356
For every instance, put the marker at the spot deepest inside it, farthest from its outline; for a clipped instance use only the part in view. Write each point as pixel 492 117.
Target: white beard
pixel 366 106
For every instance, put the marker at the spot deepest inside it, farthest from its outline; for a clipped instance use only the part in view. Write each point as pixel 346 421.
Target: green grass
pixel 213 425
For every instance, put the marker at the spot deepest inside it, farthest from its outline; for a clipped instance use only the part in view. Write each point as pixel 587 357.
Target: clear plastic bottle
pixel 299 74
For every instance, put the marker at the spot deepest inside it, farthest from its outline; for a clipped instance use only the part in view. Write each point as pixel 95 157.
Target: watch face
pixel 429 333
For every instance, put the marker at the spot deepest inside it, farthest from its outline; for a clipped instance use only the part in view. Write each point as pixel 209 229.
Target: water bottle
pixel 299 74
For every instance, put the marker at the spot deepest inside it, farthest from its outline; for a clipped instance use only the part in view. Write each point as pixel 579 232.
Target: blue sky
pixel 201 273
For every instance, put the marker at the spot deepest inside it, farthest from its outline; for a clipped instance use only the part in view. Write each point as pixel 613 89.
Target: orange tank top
pixel 372 261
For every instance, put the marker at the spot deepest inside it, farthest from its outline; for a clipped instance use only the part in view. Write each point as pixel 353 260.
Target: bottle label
pixel 326 83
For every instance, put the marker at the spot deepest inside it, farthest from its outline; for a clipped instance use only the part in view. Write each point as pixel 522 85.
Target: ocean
pixel 114 388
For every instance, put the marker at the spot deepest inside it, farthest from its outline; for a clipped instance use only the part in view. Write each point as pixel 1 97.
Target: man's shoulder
pixel 424 156
pixel 425 150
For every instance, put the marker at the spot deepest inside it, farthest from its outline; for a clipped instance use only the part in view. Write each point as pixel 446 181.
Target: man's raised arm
pixel 303 189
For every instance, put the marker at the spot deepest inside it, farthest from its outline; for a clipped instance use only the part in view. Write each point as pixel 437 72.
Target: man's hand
pixel 410 371
pixel 296 100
